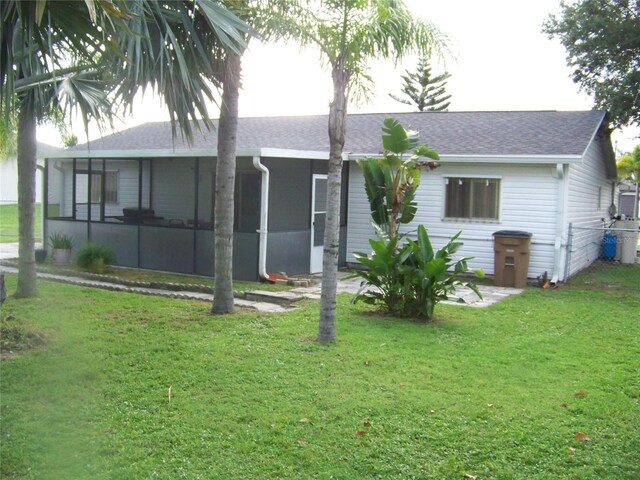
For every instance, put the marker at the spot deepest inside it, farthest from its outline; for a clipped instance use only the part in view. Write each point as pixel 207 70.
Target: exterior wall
pixel 625 203
pixel 528 202
pixel 589 196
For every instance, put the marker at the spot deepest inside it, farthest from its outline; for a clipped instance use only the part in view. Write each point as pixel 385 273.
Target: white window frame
pixel 497 219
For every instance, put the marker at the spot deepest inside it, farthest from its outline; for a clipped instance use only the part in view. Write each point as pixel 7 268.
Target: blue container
pixel 609 244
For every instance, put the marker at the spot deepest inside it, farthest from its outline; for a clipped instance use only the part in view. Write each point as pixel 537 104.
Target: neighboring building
pixel 626 198
pixel 9 176
pixel 152 198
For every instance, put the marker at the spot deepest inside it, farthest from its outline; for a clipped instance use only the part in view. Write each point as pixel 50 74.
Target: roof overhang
pixel 191 153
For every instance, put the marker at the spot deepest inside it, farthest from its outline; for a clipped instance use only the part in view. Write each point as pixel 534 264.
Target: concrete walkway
pixel 9 250
pixel 490 293
pixel 259 300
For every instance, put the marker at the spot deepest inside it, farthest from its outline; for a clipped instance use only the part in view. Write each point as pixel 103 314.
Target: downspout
pixel 561 212
pixel 264 221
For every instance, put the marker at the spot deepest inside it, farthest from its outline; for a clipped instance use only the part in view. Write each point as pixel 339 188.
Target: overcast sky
pixel 500 61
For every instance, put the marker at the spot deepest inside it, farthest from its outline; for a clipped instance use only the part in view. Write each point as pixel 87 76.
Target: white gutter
pixel 561 222
pixel 264 218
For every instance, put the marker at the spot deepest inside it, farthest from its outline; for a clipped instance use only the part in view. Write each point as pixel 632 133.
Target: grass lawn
pixel 9 223
pixel 544 385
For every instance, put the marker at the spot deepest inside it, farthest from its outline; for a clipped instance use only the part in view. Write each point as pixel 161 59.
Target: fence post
pixel 568 255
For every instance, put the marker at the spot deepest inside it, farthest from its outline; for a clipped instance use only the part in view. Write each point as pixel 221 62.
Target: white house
pixel 151 197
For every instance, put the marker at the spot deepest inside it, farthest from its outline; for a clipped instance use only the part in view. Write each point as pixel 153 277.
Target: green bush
pixel 409 280
pixel 94 257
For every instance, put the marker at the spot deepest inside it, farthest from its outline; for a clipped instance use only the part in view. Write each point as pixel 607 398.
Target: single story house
pixel 9 175
pixel 150 197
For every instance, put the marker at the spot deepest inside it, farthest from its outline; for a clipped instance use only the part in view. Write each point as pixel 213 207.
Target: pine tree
pixel 423 90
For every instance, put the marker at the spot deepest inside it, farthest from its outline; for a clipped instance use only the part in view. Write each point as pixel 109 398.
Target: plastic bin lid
pixel 511 233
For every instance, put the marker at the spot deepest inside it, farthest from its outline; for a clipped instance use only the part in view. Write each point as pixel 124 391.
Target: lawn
pixel 9 223
pixel 542 385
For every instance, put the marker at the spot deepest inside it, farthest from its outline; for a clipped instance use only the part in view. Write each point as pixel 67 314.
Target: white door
pixel 318 216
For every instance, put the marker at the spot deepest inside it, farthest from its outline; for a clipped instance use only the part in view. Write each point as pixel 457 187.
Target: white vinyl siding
pixel 589 198
pixel 528 202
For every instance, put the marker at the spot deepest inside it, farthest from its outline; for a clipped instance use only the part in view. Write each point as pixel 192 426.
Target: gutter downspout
pixel 561 212
pixel 264 221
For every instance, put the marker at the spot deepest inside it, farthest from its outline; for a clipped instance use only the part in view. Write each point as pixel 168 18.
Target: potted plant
pixel 41 255
pixel 61 246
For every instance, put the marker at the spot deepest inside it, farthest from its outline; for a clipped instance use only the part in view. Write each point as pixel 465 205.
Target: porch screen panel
pixel 319 220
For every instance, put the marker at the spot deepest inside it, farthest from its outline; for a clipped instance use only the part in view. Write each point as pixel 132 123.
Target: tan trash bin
pixel 511 258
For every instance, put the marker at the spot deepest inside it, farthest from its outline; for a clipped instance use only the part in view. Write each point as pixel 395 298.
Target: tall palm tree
pixel 263 16
pixel 75 54
pixel 350 33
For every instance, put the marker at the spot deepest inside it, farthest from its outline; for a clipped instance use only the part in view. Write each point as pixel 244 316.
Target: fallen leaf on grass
pixel 360 433
pixel 580 394
pixel 301 441
pixel 583 437
pixel 564 404
pixel 572 450
pixel 367 362
pixel 490 405
pixel 469 476
pixel 304 420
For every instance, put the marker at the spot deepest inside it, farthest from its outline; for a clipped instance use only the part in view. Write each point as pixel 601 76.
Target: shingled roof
pixel 523 133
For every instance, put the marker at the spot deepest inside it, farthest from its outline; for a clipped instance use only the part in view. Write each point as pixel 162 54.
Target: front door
pixel 318 216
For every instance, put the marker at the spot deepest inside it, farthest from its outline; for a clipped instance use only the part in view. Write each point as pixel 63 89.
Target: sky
pixel 500 60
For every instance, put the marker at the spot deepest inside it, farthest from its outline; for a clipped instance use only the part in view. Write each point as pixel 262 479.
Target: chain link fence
pixel 606 255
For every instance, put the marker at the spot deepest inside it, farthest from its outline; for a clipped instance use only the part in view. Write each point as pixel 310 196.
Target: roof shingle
pixel 452 133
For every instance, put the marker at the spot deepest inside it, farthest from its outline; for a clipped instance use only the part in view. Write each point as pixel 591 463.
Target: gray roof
pixel 450 133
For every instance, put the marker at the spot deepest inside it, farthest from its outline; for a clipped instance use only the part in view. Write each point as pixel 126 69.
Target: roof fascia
pixel 502 159
pixel 195 152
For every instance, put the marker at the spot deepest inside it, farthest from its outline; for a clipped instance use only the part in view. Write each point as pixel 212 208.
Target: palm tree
pixel 264 18
pixel 75 54
pixel 350 33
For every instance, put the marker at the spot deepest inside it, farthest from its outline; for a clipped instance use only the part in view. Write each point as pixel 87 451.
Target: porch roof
pixel 530 135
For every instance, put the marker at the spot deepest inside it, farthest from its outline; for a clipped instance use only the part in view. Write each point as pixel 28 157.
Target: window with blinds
pixel 472 198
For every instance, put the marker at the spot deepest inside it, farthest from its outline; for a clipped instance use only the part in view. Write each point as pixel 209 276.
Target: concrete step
pixel 283 298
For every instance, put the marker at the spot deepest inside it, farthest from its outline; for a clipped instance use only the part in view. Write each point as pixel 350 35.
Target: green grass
pixel 609 275
pixel 484 392
pixel 9 223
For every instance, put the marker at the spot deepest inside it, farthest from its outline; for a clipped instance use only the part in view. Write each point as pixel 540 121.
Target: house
pixel 9 175
pixel 626 199
pixel 151 197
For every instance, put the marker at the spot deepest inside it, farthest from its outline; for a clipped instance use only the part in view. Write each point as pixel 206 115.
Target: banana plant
pixel 391 182
pixel 406 277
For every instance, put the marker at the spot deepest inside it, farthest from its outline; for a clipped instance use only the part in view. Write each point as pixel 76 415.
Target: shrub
pixel 409 280
pixel 94 257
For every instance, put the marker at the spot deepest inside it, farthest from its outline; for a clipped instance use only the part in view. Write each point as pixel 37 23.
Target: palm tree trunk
pixel 225 186
pixel 27 151
pixel 337 128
